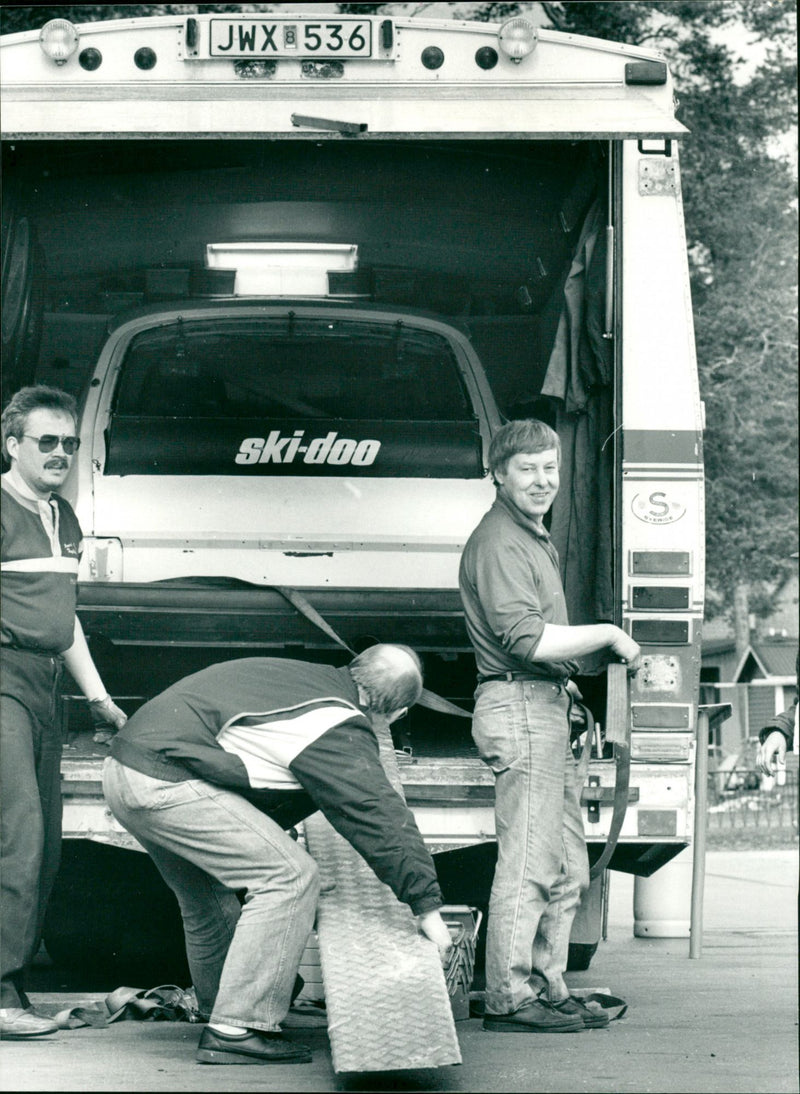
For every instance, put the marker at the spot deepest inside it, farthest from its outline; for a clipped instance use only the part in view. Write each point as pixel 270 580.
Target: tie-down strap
pixel 427 699
pixel 618 732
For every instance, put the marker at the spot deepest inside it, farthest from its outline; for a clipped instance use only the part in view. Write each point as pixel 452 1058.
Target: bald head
pixel 390 677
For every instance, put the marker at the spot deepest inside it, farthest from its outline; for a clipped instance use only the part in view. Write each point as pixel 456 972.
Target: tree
pixel 15 18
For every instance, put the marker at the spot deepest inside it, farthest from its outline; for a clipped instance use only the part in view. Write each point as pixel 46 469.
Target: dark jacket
pixel 291 738
pixel 784 722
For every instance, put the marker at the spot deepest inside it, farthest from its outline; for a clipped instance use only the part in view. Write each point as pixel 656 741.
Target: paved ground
pixel 724 1023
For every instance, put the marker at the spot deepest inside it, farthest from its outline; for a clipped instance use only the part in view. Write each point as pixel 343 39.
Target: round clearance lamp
pixel 90 59
pixel 517 38
pixel 432 57
pixel 59 40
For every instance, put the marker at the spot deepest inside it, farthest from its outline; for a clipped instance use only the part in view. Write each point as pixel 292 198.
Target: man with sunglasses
pixel 39 633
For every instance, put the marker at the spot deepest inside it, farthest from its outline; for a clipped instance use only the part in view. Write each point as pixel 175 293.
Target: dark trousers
pixel 30 809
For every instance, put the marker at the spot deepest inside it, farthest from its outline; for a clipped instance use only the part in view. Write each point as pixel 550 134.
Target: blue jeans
pixel 210 844
pixel 521 729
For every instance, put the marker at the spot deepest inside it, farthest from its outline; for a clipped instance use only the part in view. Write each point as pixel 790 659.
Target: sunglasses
pixel 48 442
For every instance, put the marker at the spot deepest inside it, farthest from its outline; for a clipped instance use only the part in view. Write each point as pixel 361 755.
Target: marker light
pixel 486 58
pixel 90 59
pixel 59 40
pixel 432 57
pixel 145 58
pixel 517 38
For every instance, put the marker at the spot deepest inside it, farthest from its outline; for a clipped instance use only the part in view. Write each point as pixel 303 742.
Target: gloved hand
pixel 107 718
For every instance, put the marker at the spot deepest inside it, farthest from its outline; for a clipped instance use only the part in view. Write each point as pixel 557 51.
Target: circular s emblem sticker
pixel 657 508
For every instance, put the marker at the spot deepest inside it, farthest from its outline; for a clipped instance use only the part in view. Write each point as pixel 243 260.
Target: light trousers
pixel 521 728
pixel 209 845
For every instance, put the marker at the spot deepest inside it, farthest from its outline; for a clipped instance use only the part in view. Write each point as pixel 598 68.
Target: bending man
pixel 210 774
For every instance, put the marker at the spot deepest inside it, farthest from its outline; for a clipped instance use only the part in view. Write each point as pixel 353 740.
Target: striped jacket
pixel 39 557
pixel 291 738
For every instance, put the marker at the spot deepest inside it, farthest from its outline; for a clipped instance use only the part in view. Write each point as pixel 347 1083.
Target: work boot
pixel 537 1017
pixel 251 1046
pixel 17 1024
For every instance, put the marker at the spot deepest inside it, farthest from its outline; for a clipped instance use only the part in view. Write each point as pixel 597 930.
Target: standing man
pixel 524 647
pixel 39 633
pixel 210 774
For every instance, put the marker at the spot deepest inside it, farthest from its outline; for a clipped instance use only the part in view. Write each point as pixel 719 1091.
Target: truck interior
pixel 479 234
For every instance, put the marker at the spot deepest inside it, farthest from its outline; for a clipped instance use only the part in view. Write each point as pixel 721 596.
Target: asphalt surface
pixel 725 1022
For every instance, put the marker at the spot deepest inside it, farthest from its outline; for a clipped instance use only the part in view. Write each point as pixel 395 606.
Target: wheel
pixel 111 913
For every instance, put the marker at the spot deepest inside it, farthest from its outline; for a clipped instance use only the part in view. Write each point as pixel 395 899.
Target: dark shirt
pixel 40 572
pixel 510 588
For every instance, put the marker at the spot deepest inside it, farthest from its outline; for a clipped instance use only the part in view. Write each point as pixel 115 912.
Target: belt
pixel 509 677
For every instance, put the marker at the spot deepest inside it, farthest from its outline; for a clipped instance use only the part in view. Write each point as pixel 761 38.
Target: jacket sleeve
pixel 782 723
pixel 342 773
pixel 786 721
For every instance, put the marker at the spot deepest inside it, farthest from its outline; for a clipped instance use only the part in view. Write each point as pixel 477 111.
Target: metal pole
pixel 699 848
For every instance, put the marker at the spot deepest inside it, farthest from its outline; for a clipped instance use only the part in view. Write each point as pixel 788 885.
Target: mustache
pixel 56 464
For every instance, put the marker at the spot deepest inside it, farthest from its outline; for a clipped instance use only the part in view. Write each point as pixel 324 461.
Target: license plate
pixel 290 38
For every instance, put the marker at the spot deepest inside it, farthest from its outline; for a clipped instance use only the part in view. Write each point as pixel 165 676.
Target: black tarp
pixel 579 379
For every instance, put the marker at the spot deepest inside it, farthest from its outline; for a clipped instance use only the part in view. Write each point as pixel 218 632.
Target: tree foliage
pixel 16 17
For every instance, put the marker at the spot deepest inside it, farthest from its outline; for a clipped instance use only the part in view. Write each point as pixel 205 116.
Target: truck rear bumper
pixel 222 612
pixel 453 804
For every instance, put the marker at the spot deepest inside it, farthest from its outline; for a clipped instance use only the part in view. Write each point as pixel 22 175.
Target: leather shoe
pixel 251 1046
pixel 537 1017
pixel 17 1024
pixel 591 1018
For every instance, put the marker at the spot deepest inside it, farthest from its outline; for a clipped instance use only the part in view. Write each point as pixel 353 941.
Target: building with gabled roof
pixel 758 682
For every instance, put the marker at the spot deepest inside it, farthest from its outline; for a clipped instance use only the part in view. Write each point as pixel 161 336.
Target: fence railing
pixel 741 799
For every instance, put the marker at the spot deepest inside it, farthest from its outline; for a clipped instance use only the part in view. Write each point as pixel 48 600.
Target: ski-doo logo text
pixel 331 449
